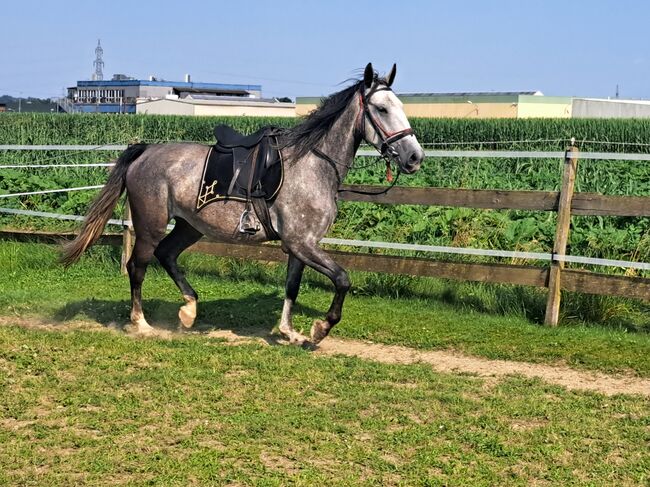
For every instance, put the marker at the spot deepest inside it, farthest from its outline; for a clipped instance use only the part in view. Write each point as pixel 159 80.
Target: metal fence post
pixel 561 235
pixel 127 238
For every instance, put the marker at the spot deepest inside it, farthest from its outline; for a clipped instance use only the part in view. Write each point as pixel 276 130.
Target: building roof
pixel 223 101
pixel 237 99
pixel 615 100
pixel 456 97
pixel 179 85
pixel 472 93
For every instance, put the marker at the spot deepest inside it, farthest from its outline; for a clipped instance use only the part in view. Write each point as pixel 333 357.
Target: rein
pixel 373 193
pixel 334 165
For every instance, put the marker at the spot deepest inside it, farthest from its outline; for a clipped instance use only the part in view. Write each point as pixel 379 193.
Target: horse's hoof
pixel 294 337
pixel 298 339
pixel 139 325
pixel 186 316
pixel 187 313
pixel 319 330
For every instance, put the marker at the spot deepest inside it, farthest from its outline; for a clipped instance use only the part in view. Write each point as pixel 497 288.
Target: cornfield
pixel 615 135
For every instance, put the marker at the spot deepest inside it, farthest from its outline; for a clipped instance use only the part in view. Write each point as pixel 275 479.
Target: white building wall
pixel 224 108
pixel 593 108
pixel 245 110
pixel 164 107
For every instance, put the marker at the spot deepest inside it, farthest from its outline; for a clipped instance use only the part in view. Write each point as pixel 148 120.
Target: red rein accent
pixel 389 172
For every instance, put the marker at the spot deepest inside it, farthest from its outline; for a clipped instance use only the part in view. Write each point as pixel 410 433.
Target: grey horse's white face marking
pixel 389 119
pixel 389 110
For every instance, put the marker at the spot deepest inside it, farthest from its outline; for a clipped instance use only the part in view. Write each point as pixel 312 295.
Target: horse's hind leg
pixel 295 268
pixel 149 230
pixel 137 267
pixel 181 237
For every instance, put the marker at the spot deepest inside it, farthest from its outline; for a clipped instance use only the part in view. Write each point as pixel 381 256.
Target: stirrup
pixel 247 223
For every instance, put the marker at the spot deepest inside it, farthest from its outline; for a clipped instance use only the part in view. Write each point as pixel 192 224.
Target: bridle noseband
pixel 387 138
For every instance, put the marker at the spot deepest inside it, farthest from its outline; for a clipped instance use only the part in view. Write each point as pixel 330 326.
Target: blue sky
pixel 305 48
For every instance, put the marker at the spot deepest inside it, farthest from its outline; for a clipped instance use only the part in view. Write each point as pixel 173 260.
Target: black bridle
pixel 387 138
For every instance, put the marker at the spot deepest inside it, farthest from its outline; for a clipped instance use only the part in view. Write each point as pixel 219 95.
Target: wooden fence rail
pixel 583 204
pixel 572 280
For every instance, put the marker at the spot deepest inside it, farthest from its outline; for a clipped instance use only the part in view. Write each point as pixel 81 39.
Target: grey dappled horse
pixel 162 182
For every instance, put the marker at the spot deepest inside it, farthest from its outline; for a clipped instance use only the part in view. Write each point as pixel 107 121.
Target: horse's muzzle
pixel 413 161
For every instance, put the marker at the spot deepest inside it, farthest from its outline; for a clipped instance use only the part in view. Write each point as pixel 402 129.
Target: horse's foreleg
pixel 317 259
pixel 294 275
pixel 181 237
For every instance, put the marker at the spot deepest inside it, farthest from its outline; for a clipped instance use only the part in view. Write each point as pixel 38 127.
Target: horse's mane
pixel 305 136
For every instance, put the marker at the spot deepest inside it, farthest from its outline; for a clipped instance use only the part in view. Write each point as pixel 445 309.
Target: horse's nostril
pixel 414 157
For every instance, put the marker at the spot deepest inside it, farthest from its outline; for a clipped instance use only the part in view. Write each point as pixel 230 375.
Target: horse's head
pixel 383 123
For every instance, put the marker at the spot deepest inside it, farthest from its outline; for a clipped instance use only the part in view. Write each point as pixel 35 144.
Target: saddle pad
pixel 218 173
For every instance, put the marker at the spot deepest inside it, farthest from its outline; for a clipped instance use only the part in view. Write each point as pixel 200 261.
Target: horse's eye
pixel 382 110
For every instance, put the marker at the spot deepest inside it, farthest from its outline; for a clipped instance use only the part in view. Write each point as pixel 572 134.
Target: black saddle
pixel 229 137
pixel 244 168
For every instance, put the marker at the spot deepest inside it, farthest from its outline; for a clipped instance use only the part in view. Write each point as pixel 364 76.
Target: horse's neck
pixel 342 142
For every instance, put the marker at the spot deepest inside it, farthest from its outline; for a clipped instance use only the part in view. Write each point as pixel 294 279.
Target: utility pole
pixel 98 63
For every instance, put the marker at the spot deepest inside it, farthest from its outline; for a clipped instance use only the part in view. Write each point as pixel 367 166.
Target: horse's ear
pixel 391 76
pixel 368 75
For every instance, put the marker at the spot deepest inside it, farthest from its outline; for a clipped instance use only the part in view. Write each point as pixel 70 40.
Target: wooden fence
pixel 565 203
pixel 555 277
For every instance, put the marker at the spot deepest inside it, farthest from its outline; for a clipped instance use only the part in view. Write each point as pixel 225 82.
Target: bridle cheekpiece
pixel 387 138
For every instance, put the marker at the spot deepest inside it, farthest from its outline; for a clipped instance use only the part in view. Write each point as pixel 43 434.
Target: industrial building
pixel 124 94
pixel 121 94
pixel 203 105
pixel 610 108
pixel 523 104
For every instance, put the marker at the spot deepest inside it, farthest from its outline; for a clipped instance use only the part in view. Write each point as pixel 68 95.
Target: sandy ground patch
pixel 440 360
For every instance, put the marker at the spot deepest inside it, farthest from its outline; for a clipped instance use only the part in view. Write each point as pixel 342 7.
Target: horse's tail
pixel 102 208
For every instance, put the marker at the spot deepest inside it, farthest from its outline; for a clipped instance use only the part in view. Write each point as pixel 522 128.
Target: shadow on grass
pixel 491 299
pixel 253 316
pixel 578 309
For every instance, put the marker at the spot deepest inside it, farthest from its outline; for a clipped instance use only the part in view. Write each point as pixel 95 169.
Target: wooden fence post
pixel 561 235
pixel 127 238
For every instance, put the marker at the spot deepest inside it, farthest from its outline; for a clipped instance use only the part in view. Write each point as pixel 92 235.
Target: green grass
pixel 429 314
pixel 99 408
